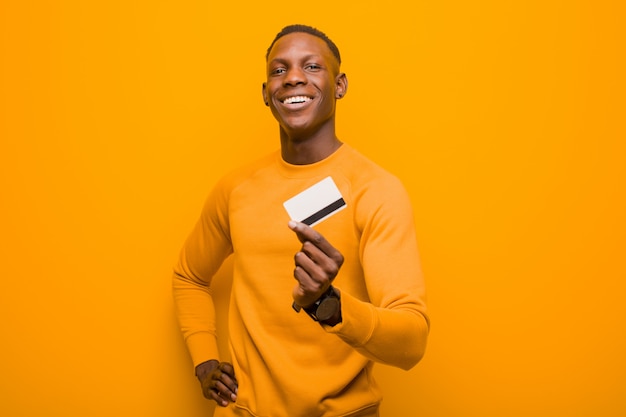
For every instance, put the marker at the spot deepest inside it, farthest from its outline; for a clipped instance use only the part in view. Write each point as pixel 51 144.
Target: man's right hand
pixel 218 381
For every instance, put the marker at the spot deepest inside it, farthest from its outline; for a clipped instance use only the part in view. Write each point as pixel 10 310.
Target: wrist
pixel 327 309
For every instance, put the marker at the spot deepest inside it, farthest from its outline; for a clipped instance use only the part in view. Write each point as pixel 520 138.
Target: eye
pixel 313 67
pixel 277 71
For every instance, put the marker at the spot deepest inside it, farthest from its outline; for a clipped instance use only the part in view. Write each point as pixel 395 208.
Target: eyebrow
pixel 305 58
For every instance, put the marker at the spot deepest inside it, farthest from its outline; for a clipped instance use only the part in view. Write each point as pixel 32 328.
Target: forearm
pixel 205 249
pixel 195 312
pixel 393 335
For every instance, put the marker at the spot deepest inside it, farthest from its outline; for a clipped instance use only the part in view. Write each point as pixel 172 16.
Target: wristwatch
pixel 325 307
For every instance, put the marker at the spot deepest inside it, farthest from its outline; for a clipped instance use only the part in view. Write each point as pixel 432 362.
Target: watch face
pixel 327 308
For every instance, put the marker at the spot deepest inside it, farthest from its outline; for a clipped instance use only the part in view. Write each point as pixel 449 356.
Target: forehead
pixel 300 44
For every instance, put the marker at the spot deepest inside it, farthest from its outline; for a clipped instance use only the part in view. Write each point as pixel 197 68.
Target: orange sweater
pixel 286 363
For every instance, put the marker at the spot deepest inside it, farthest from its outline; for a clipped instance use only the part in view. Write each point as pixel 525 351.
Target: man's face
pixel 303 82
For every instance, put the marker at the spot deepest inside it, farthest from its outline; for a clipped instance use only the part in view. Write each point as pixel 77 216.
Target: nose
pixel 295 76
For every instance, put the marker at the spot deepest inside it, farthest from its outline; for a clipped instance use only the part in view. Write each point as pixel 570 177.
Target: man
pixel 305 347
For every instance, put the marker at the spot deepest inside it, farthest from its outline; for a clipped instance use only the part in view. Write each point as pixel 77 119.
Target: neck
pixel 309 150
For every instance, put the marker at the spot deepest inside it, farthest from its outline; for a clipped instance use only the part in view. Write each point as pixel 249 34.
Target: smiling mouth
pixel 296 100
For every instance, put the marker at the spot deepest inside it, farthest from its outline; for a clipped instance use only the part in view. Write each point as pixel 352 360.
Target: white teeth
pixel 296 99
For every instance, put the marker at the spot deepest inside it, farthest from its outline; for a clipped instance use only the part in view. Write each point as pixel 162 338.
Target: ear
pixel 265 100
pixel 341 85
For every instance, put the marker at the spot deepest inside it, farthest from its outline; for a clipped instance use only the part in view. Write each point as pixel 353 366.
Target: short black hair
pixel 311 31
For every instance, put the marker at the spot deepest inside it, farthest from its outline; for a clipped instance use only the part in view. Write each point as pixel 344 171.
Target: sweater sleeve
pixel 207 246
pixel 392 328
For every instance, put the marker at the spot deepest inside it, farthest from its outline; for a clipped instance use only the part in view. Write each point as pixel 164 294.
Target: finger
pixel 227 376
pixel 228 381
pixel 311 274
pixel 304 261
pixel 218 399
pixel 224 391
pixel 307 290
pixel 306 282
pixel 229 370
pixel 297 228
pixel 308 234
pixel 211 393
pixel 218 391
pixel 220 384
pixel 320 267
pixel 303 298
pixel 329 265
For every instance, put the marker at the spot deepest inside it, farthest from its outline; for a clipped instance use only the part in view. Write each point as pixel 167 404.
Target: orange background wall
pixel 505 120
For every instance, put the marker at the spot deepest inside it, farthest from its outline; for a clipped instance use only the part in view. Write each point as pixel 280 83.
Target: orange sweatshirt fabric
pixel 286 363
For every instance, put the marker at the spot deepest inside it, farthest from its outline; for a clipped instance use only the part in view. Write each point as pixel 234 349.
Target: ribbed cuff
pixel 202 347
pixel 358 320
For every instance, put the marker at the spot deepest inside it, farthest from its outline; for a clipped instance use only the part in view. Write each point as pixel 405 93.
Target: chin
pixel 296 128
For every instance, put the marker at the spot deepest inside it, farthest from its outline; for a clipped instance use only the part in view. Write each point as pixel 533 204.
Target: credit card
pixel 316 203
